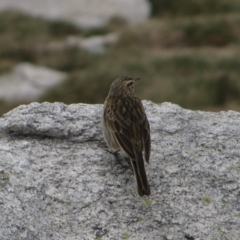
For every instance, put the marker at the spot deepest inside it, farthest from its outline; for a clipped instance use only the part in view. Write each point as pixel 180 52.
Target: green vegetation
pixel 224 201
pixel 5 107
pixel 126 235
pixel 4 179
pixel 148 202
pixel 22 37
pixel 207 200
pixel 188 53
pixel 190 79
pixel 193 7
pixel 183 32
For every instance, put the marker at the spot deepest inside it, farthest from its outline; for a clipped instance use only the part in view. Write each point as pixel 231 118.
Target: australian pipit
pixel 125 127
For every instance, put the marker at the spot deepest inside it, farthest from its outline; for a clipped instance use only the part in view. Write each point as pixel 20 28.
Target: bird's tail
pixel 140 175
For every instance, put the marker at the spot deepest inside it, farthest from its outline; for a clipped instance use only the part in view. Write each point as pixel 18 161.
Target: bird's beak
pixel 137 79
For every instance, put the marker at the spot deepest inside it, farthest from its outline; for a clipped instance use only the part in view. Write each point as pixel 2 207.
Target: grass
pixel 189 79
pixel 5 107
pixel 23 35
pixel 193 7
pixel 183 32
pixel 27 38
pixel 191 60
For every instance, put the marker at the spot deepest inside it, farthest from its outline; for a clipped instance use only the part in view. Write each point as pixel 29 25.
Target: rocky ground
pixel 58 181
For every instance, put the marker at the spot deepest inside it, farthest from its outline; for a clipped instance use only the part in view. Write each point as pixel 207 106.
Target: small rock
pixel 28 82
pixel 98 44
pixel 84 13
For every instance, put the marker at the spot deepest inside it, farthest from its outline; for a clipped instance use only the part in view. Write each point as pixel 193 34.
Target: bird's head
pixel 123 86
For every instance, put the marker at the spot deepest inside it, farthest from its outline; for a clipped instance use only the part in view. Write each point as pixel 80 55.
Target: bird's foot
pixel 115 153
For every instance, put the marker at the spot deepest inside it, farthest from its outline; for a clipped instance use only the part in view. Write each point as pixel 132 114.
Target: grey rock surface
pixel 27 82
pixel 98 44
pixel 84 13
pixel 93 44
pixel 57 181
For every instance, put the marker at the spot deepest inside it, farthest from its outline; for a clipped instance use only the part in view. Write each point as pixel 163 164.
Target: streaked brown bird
pixel 125 127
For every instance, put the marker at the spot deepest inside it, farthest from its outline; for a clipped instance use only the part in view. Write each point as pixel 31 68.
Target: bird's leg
pixel 129 162
pixel 115 153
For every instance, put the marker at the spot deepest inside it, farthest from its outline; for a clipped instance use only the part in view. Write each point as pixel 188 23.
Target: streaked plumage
pixel 125 127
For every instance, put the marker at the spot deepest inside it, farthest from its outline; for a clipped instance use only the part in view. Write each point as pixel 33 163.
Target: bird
pixel 126 128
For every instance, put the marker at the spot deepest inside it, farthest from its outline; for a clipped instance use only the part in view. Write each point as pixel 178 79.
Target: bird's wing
pixel 122 135
pixel 146 139
pixel 119 121
pixel 129 125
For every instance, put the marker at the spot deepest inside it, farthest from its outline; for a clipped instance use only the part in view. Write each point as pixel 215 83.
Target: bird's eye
pixel 129 84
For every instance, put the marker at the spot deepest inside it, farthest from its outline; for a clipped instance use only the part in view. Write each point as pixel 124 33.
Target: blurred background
pixel 185 52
